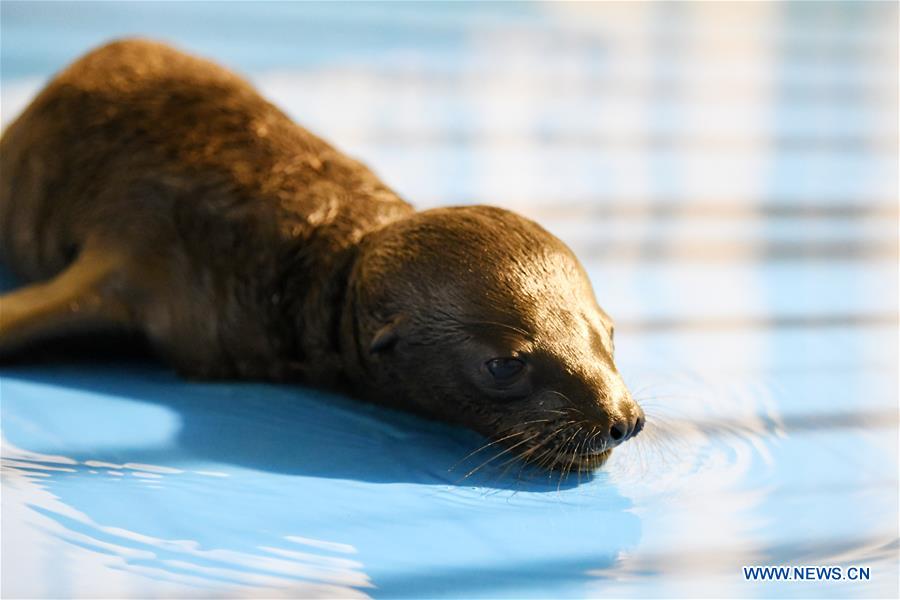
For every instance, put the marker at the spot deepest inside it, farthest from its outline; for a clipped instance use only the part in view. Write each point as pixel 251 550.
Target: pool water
pixel 728 175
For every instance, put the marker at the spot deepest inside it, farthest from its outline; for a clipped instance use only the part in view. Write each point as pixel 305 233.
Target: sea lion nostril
pixel 618 431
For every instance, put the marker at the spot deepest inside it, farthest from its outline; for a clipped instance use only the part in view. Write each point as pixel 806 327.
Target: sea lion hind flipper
pixel 85 297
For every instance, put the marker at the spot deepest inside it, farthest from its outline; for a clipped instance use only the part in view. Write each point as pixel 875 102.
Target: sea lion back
pixel 197 193
pixel 136 125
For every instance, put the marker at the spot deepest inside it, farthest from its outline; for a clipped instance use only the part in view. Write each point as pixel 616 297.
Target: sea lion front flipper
pixel 85 297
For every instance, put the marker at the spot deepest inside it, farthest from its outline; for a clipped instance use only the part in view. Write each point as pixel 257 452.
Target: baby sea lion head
pixel 478 316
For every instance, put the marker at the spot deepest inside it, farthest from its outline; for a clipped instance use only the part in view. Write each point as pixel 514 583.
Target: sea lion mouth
pixel 586 463
pixel 579 459
pixel 566 460
pixel 570 448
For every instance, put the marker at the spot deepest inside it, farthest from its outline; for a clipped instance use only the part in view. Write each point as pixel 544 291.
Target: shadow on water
pixel 288 430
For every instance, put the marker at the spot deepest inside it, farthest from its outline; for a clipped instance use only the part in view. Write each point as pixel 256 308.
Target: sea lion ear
pixel 386 336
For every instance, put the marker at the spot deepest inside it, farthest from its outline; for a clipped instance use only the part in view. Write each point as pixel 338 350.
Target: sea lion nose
pixel 626 427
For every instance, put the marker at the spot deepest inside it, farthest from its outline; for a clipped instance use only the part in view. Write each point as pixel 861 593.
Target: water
pixel 728 175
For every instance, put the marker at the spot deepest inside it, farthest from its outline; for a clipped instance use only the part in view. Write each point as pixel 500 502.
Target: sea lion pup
pixel 148 190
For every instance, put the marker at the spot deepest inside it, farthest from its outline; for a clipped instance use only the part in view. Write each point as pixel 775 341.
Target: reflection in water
pixel 298 568
pixel 726 466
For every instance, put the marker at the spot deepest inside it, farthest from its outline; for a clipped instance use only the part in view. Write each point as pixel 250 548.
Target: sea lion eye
pixel 504 368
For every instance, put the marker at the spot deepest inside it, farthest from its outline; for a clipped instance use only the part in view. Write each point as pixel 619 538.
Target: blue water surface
pixel 726 172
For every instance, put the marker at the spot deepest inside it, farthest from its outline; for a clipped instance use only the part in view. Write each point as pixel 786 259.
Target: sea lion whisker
pixel 646 387
pixel 545 456
pixel 548 438
pixel 560 449
pixel 497 441
pixel 509 449
pixel 560 394
pixel 651 400
pixel 479 467
pixel 582 457
pixel 571 406
pixel 575 454
pixel 594 436
pixel 508 464
pixel 485 446
pixel 567 470
pixel 524 456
